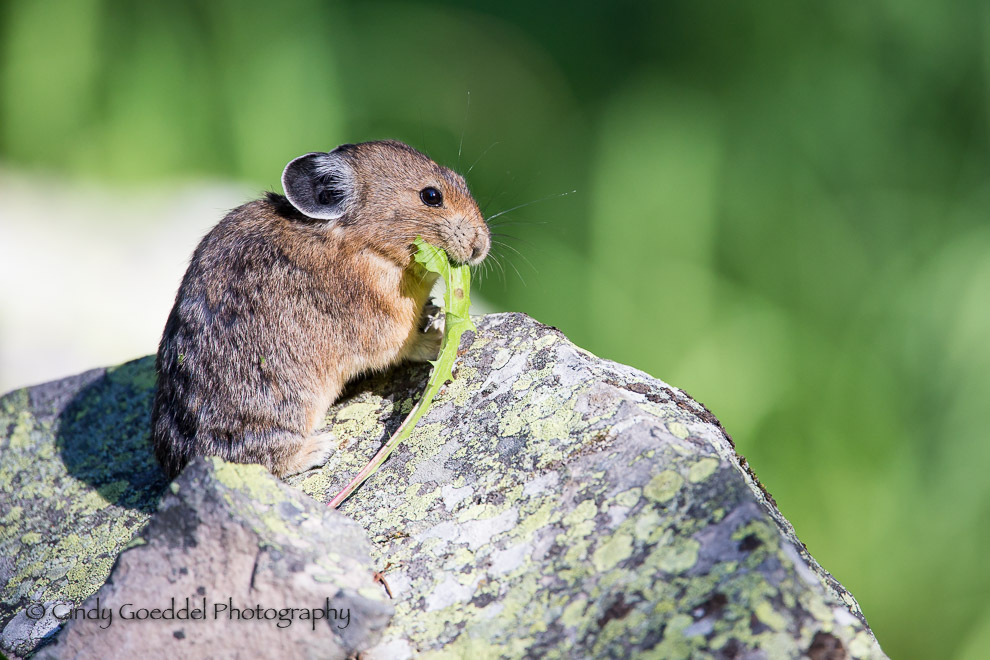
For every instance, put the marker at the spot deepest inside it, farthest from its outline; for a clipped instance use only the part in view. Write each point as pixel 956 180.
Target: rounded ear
pixel 320 185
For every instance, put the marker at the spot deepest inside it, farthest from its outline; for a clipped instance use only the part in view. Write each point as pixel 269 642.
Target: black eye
pixel 431 196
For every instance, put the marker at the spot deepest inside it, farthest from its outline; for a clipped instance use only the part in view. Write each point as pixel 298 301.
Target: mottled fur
pixel 278 310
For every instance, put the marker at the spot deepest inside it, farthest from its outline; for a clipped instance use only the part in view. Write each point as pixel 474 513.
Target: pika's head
pixel 387 193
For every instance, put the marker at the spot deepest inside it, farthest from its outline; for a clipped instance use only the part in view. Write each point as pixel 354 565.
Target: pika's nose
pixel 480 248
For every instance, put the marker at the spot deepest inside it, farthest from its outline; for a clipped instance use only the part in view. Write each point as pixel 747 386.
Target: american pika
pixel 289 297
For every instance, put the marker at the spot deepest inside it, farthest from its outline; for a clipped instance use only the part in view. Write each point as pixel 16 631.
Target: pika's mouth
pixel 477 256
pixel 462 249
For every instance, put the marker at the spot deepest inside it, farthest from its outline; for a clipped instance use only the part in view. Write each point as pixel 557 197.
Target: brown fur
pixel 278 310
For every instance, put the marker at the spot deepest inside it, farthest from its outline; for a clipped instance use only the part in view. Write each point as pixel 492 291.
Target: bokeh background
pixel 781 208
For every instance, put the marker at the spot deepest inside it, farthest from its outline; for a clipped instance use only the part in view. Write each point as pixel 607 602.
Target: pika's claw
pixel 430 335
pixel 433 319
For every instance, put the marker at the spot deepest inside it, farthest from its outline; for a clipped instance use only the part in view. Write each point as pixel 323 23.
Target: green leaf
pixel 457 306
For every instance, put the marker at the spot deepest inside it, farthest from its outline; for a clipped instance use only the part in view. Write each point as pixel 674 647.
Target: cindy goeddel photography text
pixel 197 609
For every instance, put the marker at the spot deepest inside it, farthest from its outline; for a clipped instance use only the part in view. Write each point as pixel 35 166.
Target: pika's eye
pixel 431 196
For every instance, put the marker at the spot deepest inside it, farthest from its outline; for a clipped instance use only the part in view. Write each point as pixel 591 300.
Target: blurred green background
pixel 781 208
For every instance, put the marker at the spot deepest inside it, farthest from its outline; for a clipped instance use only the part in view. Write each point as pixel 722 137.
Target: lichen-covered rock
pixel 549 503
pixel 233 562
pixel 77 482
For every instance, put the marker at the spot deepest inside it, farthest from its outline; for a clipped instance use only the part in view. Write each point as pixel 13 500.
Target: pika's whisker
pixel 478 159
pixel 515 238
pixel 463 128
pixel 516 221
pixel 518 274
pixel 494 258
pixel 521 255
pixel 535 201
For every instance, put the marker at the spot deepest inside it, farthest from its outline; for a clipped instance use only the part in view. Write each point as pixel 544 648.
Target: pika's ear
pixel 320 185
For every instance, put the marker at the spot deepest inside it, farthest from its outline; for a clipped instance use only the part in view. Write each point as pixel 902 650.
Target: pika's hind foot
pixel 315 451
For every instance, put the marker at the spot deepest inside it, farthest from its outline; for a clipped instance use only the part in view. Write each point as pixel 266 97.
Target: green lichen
pixel 539 514
pixel 702 469
pixel 251 479
pixel 585 510
pixel 574 613
pixel 135 374
pixel 648 526
pixel 679 556
pixel 252 484
pixel 361 411
pixel 616 549
pixel 629 497
pixel 768 615
pixel 674 645
pixel 664 486
pixel 13 515
pixel 14 402
pixel 20 437
pixel 420 503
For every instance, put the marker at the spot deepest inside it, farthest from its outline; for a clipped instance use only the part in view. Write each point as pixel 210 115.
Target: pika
pixel 291 296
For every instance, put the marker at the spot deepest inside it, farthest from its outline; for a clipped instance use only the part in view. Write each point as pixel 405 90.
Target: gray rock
pixel 234 561
pixel 550 503
pixel 77 482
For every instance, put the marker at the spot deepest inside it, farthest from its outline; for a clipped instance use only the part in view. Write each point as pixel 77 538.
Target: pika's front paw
pixel 430 336
pixel 433 319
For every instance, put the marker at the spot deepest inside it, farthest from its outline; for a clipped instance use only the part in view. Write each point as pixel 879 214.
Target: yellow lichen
pixel 663 486
pixel 702 469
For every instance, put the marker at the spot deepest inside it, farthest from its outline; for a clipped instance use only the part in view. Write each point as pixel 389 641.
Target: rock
pixel 77 482
pixel 549 503
pixel 234 561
